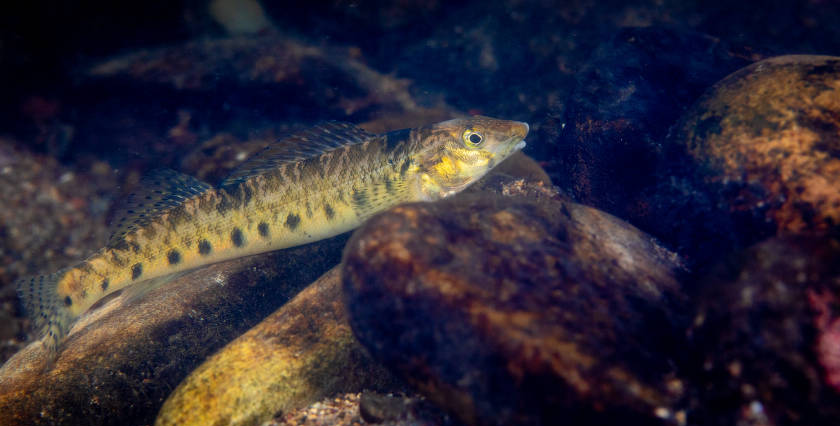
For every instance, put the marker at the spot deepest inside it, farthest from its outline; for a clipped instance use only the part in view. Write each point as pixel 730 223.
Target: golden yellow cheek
pixel 446 168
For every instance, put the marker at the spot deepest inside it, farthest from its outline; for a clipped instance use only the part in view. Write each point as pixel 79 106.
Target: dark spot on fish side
pixel 292 221
pixel 136 271
pixel 105 284
pixel 389 186
pixel 68 301
pixel 262 228
pixel 404 168
pixel 174 257
pixel 329 211
pixel 246 193
pixel 225 203
pixel 237 238
pixel 204 247
pixel 359 197
pixel 123 245
pixel 308 210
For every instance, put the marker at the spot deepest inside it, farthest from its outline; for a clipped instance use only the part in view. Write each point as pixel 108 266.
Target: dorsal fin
pixel 299 146
pixel 158 191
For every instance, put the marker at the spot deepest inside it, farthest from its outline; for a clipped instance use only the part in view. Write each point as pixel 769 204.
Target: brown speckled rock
pixel 524 309
pixel 767 336
pixel 122 359
pixel 301 353
pixel 757 155
pixel 773 130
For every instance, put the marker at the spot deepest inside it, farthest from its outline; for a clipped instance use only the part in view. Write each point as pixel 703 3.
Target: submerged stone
pixel 301 353
pixel 758 155
pixel 519 309
pixel 766 336
pixel 122 359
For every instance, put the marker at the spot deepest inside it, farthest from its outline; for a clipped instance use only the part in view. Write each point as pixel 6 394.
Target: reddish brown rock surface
pixel 772 130
pixel 523 309
pixel 758 155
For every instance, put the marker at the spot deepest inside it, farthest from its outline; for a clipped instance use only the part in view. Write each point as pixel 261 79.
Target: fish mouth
pixel 515 144
pixel 518 140
pixel 505 150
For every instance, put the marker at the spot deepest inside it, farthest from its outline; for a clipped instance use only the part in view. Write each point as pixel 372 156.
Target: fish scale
pixel 313 185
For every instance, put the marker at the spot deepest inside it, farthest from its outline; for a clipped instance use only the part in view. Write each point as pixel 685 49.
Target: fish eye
pixel 473 138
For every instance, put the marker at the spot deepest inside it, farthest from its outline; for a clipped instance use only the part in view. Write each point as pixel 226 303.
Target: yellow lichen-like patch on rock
pixel 300 354
pixel 773 128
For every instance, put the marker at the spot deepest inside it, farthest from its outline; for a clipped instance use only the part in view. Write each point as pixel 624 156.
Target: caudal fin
pixel 43 305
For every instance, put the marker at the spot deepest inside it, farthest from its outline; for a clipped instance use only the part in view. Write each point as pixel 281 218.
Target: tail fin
pixel 41 302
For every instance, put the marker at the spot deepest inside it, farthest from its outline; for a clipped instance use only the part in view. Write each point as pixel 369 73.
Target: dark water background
pixel 95 93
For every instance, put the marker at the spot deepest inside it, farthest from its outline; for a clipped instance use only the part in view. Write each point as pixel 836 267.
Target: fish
pixel 312 185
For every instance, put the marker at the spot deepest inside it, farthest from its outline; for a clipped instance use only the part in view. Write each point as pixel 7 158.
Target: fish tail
pixel 42 303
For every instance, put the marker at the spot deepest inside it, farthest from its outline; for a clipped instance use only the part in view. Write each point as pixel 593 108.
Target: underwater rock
pixel 632 89
pixel 122 359
pixel 300 354
pixel 758 155
pixel 512 305
pixel 331 79
pixel 766 336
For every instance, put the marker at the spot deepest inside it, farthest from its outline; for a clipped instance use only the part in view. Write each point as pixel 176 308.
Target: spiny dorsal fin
pixel 158 191
pixel 305 144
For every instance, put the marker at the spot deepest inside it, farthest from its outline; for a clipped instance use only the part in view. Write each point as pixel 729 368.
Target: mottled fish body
pixel 313 185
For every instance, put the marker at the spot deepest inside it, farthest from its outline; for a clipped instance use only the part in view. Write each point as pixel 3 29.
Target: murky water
pixel 706 189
